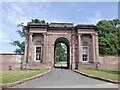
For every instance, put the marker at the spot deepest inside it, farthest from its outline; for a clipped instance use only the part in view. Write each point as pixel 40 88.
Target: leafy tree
pixel 109 36
pixel 38 21
pixel 60 53
pixel 21 44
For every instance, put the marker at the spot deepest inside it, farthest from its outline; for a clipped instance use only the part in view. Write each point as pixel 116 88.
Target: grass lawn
pixel 13 76
pixel 108 75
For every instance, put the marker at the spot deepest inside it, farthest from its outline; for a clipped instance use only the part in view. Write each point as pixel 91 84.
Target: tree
pixel 60 52
pixel 109 36
pixel 21 44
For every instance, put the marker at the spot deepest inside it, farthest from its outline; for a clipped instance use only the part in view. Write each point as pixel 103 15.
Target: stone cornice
pixel 60 26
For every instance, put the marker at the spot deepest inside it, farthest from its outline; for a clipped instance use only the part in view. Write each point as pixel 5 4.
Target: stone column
pixel 73 53
pixel 70 56
pixel 30 49
pixel 79 49
pixel 73 67
pixel 26 54
pixel 97 49
pixel 94 46
pixel 47 52
pixel 24 62
pixel 44 48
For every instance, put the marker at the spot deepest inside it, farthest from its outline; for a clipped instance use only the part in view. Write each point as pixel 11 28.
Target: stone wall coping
pixel 109 55
pixel 10 54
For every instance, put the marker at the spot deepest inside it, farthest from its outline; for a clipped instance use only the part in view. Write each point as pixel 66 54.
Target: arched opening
pixel 61 53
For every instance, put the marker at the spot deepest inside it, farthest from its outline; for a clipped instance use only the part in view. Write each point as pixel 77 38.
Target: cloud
pixel 4 37
pixel 80 9
pixel 23 12
pixel 96 16
pixel 4 41
pixel 16 13
pixel 57 21
pixel 12 13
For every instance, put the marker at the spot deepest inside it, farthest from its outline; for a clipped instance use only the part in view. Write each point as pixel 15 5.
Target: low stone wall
pixel 109 62
pixel 12 61
pixel 87 66
pixel 38 65
pixel 106 62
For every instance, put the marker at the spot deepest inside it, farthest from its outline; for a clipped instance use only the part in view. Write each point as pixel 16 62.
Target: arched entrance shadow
pixel 66 42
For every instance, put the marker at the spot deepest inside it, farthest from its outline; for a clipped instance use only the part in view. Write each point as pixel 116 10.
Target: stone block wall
pixel 108 62
pixel 10 60
pixel 86 66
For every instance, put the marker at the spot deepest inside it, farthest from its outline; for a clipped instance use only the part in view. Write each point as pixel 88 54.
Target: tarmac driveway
pixel 65 78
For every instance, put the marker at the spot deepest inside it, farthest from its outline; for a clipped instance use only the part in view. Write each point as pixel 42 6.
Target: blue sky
pixel 14 13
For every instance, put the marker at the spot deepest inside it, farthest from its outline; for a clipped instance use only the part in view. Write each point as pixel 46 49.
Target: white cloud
pixel 57 21
pixel 95 18
pixel 23 12
pixel 80 9
pixel 14 14
pixel 4 38
pixel 4 41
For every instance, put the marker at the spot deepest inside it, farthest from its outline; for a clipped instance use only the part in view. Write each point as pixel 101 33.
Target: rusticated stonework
pixel 81 40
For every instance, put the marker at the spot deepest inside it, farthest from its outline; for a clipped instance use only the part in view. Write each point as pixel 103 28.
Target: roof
pixel 85 26
pixel 61 26
pixel 37 25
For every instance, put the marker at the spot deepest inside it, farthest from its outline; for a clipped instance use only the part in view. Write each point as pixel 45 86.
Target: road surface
pixel 65 78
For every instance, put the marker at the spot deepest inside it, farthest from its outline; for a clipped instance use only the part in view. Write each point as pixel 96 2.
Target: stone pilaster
pixel 44 48
pixel 97 47
pixel 73 51
pixel 47 52
pixel 70 55
pixel 79 49
pixel 25 60
pixel 25 52
pixel 94 47
pixel 30 49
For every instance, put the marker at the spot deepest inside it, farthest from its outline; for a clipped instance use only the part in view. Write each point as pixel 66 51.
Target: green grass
pixel 14 76
pixel 102 74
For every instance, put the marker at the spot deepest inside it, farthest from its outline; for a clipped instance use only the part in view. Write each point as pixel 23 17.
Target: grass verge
pixel 14 76
pixel 101 74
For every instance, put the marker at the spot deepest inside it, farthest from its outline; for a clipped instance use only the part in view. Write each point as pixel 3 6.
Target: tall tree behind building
pixel 109 39
pixel 21 44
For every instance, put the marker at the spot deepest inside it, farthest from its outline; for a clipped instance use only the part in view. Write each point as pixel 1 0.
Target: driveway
pixel 65 78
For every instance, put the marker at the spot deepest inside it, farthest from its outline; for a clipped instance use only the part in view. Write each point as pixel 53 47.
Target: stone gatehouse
pixel 81 42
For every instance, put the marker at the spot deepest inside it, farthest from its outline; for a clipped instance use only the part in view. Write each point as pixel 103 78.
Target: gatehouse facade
pixel 81 42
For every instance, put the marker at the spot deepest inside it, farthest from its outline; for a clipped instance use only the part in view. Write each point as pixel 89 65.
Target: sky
pixel 14 13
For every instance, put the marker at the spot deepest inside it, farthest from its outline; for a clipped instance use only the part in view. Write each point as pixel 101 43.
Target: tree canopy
pixel 21 44
pixel 108 34
pixel 60 52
